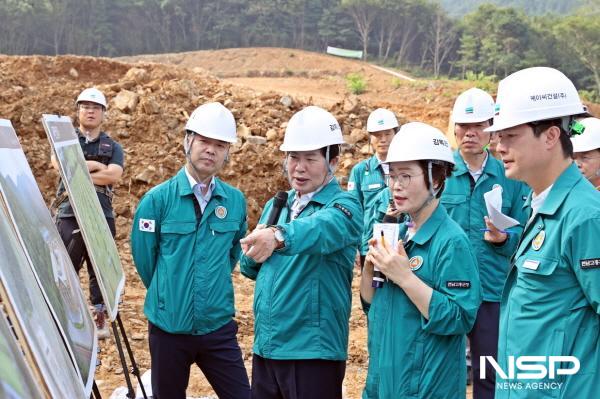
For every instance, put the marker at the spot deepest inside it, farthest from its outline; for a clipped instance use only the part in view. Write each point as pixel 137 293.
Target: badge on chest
pixel 415 263
pixel 538 241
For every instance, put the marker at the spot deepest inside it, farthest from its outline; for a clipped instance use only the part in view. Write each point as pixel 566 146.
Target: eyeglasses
pixel 90 107
pixel 402 179
pixel 584 158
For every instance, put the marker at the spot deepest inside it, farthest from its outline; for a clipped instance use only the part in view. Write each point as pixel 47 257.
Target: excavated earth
pixel 149 103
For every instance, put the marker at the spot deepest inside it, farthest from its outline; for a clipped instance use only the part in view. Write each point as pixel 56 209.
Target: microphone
pixel 278 203
pixel 378 276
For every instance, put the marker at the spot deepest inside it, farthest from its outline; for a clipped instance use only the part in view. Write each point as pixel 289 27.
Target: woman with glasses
pixel 419 318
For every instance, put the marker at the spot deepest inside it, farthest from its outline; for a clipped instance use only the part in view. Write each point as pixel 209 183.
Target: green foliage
pixel 531 7
pixel 590 96
pixel 482 81
pixel 414 35
pixel 355 83
pixel 397 82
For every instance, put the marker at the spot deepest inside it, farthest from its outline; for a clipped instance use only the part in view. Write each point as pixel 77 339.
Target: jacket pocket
pixel 372 187
pixel 416 369
pixel 176 236
pixel 453 199
pixel 533 265
pixel 224 227
pixel 314 303
pixel 176 248
pixel 224 230
pixel 457 207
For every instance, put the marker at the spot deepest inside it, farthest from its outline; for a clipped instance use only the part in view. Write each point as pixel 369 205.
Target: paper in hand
pixel 390 233
pixel 493 204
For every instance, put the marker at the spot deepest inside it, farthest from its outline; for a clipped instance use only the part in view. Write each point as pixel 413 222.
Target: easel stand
pixel 134 368
pixel 95 392
pixel 118 333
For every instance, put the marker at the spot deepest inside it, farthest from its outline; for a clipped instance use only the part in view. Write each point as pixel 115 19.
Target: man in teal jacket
pixel 185 244
pixel 476 172
pixel 367 178
pixel 550 307
pixel 303 270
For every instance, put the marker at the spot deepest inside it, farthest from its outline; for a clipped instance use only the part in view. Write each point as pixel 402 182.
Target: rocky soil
pixel 149 103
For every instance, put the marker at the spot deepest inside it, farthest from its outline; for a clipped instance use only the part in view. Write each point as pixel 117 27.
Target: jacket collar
pixel 322 197
pixel 183 185
pixel 561 187
pixel 431 226
pixel 81 136
pixel 492 166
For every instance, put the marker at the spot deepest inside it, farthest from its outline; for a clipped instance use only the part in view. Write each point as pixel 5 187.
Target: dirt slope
pixel 151 134
pixel 320 79
pixel 263 88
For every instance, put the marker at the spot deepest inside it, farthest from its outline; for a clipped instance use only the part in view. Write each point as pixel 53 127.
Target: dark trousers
pixel 297 379
pixel 78 252
pixel 217 354
pixel 484 342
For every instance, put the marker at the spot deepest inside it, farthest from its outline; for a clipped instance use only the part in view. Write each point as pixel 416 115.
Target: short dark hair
pixel 440 171
pixel 334 151
pixel 565 140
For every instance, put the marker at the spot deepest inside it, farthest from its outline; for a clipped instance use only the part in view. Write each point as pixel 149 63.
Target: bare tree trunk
pixel 440 45
pixel 363 18
pixel 408 36
pixel 380 40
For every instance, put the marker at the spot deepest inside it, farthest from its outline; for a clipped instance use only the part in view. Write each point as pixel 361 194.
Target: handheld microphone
pixel 278 204
pixel 378 276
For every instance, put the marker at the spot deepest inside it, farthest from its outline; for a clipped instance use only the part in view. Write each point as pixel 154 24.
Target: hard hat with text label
pixel 473 106
pixel 310 129
pixel 381 119
pixel 535 94
pixel 418 141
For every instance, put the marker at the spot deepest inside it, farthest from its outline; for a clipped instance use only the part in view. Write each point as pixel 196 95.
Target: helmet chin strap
pixel 432 192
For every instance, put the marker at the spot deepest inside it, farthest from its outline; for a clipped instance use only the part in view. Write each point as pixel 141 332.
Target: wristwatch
pixel 280 240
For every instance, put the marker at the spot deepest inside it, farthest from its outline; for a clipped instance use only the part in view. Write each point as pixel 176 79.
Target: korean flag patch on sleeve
pixel 146 225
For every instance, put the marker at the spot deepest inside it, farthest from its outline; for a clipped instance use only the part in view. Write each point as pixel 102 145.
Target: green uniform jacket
pixel 303 292
pixel 366 181
pixel 467 208
pixel 551 302
pixel 409 356
pixel 186 264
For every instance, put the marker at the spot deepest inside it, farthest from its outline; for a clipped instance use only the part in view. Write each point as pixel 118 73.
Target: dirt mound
pixel 320 79
pixel 148 107
pixel 258 62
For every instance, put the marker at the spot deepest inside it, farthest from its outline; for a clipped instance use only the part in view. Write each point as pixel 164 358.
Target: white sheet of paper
pixel 493 204
pixel 390 233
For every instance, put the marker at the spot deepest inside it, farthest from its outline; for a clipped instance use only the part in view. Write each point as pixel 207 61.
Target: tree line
pixel 415 35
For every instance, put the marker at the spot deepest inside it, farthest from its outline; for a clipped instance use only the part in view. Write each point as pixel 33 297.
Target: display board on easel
pixel 16 377
pixel 100 244
pixel 32 321
pixel 47 254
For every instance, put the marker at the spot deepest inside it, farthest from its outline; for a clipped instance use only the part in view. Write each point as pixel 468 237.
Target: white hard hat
pixel 590 138
pixel 473 106
pixel 214 121
pixel 535 94
pixel 310 129
pixel 381 119
pixel 418 141
pixel 92 95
